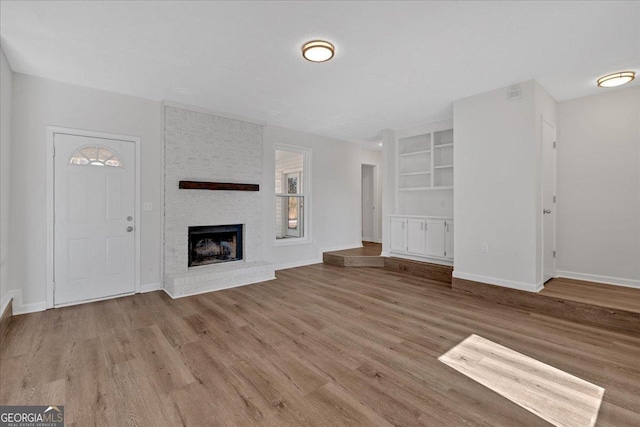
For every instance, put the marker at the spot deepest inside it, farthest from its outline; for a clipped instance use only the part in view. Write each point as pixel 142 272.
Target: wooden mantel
pixel 204 185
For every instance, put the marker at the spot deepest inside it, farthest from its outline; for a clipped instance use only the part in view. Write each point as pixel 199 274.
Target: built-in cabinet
pixel 425 237
pixel 421 222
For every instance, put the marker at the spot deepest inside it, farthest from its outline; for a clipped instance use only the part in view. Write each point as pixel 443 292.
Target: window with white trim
pixel 292 194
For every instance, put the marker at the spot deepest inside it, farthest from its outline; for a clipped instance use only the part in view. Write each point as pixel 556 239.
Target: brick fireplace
pixel 204 147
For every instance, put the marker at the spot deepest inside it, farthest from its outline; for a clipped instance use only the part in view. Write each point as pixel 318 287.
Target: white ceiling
pixel 397 64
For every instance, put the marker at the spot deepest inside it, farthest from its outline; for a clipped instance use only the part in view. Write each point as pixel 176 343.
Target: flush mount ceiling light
pixel 318 51
pixel 616 79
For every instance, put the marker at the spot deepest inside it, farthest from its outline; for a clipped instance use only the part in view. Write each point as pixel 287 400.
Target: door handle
pixel 546 211
pixel 129 229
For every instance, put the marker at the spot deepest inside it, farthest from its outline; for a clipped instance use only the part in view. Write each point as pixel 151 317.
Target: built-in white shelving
pixel 425 161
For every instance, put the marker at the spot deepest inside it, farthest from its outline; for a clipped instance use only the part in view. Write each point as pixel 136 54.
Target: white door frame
pixel 555 192
pixel 50 133
pixel 375 236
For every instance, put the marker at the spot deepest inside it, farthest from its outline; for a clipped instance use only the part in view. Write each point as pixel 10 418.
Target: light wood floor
pixel 366 256
pixel 321 345
pixel 367 249
pixel 617 297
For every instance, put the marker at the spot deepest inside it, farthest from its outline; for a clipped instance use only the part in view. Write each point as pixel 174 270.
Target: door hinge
pixel 554 254
pixel 554 199
pixel 53 152
pixel 554 144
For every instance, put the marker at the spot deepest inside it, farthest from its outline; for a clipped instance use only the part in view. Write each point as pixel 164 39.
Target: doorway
pixel 94 238
pixel 548 201
pixel 369 213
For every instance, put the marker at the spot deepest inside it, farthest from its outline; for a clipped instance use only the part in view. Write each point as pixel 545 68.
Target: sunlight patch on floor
pixel 554 395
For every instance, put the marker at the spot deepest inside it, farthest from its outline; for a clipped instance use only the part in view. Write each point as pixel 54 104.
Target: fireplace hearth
pixel 215 244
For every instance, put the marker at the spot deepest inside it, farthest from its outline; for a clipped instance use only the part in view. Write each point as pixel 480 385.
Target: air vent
pixel 514 92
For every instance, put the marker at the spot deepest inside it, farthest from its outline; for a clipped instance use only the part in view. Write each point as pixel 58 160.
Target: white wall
pixel 335 196
pixel 599 187
pixel 496 188
pixel 6 85
pixel 388 137
pixel 39 102
pixel 374 157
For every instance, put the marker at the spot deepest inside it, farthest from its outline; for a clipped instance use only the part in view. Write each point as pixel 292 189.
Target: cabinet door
pixel 416 239
pixel 435 238
pixel 448 240
pixel 398 235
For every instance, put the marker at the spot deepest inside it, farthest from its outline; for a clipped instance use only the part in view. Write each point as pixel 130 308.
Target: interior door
pixel 548 200
pixel 94 239
pixel 368 203
pixel 435 238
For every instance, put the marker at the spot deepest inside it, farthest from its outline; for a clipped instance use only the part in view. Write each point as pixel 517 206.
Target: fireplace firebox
pixel 215 244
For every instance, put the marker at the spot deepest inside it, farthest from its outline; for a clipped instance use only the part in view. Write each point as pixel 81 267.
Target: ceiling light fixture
pixel 616 79
pixel 318 51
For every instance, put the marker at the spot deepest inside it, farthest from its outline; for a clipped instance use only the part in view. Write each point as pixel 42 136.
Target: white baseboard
pixel 20 308
pixel 287 265
pixel 150 287
pixel 318 260
pixel 529 287
pixel 618 281
pixel 371 239
pixel 5 302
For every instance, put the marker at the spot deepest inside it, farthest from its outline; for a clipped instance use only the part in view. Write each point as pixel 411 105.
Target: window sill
pixel 291 242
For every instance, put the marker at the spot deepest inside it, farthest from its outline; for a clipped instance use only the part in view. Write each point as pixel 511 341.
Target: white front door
pixel 548 201
pixel 94 198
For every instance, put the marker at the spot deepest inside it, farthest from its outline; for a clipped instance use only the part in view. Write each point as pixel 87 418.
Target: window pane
pixel 289 172
pixel 290 193
pixel 289 216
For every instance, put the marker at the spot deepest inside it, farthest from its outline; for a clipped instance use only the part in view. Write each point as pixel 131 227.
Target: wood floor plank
pixel 321 346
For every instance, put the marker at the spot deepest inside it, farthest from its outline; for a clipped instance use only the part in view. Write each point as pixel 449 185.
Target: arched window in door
pixel 96 156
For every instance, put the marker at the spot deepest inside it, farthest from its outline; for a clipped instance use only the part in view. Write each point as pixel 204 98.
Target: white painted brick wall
pixel 203 147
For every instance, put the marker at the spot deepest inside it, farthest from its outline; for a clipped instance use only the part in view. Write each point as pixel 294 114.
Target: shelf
pixel 448 187
pixel 414 153
pixel 450 144
pixel 415 173
pixel 443 167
